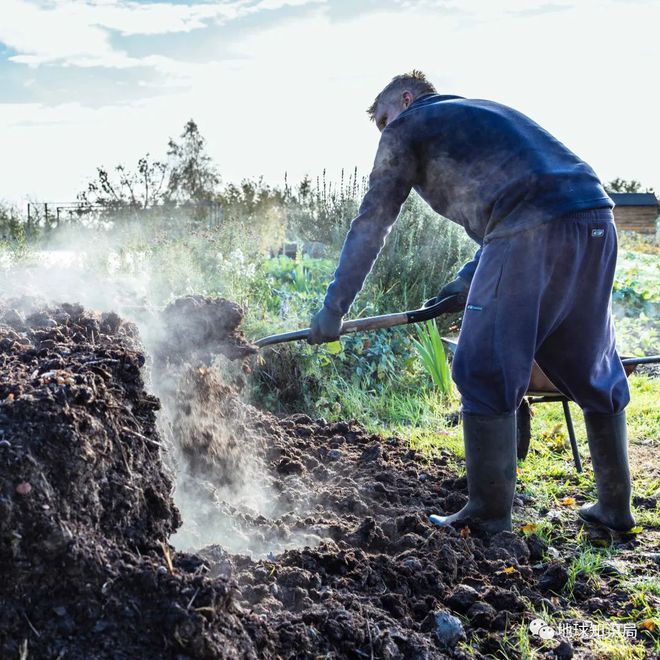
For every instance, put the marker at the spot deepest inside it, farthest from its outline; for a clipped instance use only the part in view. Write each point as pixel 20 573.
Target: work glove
pixel 325 327
pixel 459 288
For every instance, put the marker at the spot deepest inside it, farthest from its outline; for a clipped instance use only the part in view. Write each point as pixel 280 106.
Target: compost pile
pixel 85 503
pixel 86 513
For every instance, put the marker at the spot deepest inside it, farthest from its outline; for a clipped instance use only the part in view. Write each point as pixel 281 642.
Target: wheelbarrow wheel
pixel 524 429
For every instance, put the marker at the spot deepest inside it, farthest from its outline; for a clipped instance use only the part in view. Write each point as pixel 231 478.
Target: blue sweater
pixel 483 165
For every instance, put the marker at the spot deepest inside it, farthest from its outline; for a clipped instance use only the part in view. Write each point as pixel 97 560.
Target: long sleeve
pixel 468 269
pixel 390 182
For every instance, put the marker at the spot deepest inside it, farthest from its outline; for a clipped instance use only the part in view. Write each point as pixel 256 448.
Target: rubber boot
pixel 608 446
pixel 490 458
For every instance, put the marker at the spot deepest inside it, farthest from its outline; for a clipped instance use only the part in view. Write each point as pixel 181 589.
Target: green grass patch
pixel 588 563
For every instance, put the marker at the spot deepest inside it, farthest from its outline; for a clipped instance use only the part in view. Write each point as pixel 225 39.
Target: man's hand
pixel 459 288
pixel 325 327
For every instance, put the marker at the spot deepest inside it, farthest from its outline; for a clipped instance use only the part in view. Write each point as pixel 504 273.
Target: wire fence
pixel 50 216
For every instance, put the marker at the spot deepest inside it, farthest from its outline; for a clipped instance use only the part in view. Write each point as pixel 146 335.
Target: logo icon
pixel 541 629
pixel 573 629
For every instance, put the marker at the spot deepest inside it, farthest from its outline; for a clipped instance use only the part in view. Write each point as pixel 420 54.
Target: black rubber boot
pixel 490 458
pixel 608 446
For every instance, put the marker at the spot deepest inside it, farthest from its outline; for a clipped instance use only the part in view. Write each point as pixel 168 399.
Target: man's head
pixel 397 96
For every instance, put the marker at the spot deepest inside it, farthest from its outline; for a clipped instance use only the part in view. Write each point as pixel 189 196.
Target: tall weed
pixel 432 353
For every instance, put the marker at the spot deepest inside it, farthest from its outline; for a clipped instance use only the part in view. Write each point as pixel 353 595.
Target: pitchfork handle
pixel 371 322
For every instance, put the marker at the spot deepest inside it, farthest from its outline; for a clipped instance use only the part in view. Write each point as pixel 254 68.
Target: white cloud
pixel 279 4
pixel 47 34
pixel 76 32
pixel 130 18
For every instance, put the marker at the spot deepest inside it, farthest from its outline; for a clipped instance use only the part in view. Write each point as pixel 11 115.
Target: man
pixel 538 288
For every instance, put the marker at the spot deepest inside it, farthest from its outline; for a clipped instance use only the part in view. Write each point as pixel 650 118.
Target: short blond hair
pixel 414 82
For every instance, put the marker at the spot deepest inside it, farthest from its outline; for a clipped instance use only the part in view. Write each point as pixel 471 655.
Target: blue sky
pixel 282 85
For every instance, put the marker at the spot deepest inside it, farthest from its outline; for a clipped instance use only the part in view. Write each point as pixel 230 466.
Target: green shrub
pixel 323 212
pixel 12 225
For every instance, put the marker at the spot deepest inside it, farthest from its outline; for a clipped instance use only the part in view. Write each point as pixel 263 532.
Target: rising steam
pixel 223 487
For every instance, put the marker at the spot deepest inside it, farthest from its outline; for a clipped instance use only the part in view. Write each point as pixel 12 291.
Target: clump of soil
pixel 197 328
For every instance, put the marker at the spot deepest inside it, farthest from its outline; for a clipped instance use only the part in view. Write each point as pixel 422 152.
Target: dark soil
pixel 85 506
pixel 86 514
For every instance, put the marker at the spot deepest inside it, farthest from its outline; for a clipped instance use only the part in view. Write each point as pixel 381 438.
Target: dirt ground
pixel 311 538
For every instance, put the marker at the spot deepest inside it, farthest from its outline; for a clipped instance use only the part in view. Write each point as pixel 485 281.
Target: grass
pixel 643 413
pixel 645 608
pixel 588 563
pixel 608 641
pixel 544 529
pixel 618 647
pixel 516 643
pixel 470 646
pixel 429 442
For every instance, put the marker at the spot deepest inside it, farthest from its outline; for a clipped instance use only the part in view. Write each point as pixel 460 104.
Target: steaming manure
pixel 311 538
pixel 85 503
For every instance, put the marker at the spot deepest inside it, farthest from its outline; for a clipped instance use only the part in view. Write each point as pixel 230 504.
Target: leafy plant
pixel 432 353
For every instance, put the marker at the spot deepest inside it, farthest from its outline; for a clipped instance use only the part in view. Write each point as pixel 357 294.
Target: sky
pixel 282 85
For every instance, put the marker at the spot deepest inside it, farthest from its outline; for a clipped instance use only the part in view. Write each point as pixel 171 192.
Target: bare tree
pixel 121 188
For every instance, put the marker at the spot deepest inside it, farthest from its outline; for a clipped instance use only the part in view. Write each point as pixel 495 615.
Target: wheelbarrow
pixel 542 390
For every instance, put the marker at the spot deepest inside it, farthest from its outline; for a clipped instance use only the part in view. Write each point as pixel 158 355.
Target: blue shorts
pixel 543 294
